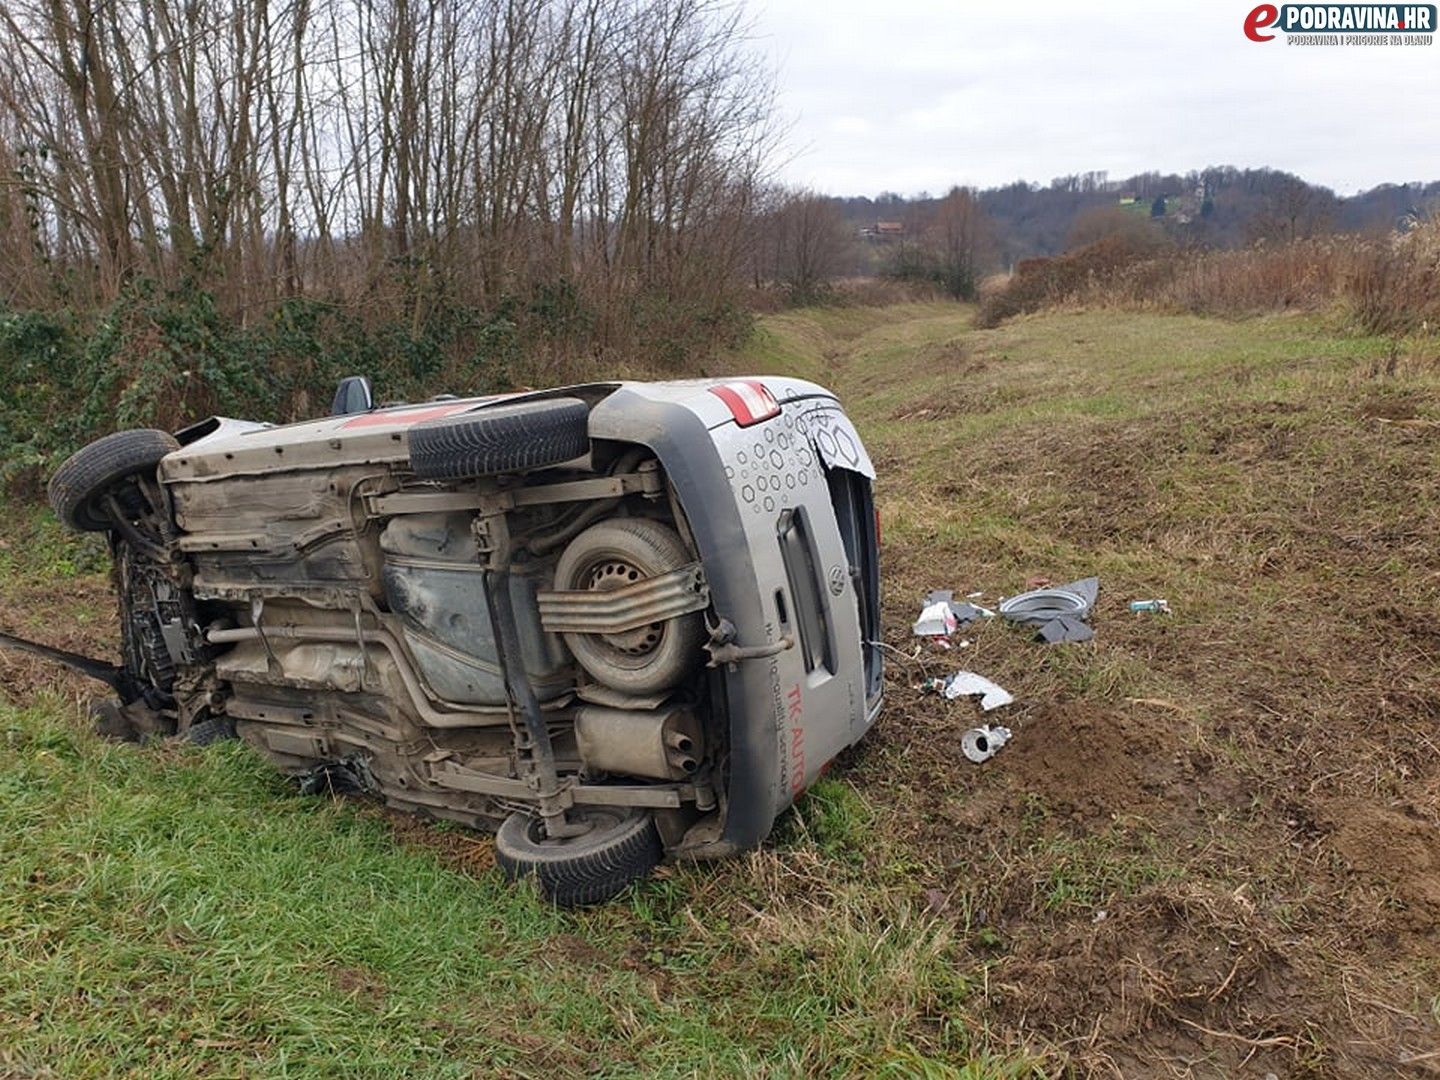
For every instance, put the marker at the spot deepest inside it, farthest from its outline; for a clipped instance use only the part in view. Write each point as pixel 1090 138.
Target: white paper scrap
pixel 936 620
pixel 968 684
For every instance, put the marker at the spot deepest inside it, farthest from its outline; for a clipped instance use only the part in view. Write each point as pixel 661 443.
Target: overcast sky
pixel 916 96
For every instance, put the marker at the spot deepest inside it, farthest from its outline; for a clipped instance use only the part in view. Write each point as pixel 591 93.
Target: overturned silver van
pixel 614 623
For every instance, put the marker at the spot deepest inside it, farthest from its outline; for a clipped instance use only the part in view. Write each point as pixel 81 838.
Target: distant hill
pixel 1221 207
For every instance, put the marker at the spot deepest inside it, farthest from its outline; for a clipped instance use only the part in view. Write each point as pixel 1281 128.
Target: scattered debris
pixel 980 744
pixel 968 684
pixel 964 613
pixel 1065 628
pixel 1059 614
pixel 942 615
pixel 1156 607
pixel 936 620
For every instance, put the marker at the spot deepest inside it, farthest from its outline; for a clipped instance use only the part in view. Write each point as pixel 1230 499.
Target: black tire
pixel 501 439
pixel 612 554
pixel 622 846
pixel 211 730
pixel 79 483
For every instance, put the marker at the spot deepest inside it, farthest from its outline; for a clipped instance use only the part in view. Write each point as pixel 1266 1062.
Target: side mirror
pixel 352 396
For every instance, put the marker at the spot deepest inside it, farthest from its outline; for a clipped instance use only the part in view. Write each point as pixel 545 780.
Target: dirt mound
pixel 1095 763
pixel 1391 849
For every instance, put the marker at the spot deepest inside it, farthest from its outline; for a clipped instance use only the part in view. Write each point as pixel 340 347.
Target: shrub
pixel 164 357
pixel 1303 275
pixel 38 358
pixel 1394 286
pixel 1042 282
pixel 1392 283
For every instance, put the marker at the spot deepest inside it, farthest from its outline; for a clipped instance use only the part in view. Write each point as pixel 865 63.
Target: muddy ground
pixel 1212 847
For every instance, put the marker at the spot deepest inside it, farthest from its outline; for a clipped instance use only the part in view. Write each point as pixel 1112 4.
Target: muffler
pixel 663 744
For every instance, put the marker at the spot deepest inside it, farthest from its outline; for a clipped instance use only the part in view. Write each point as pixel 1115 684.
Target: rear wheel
pixel 619 846
pixel 79 486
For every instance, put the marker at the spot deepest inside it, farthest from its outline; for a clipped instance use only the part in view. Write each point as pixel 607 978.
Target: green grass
pixel 34 545
pixel 170 911
pixel 953 421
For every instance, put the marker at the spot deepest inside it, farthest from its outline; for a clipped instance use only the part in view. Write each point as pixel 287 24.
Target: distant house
pixel 884 230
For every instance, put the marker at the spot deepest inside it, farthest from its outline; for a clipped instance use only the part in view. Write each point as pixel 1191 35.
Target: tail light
pixel 748 400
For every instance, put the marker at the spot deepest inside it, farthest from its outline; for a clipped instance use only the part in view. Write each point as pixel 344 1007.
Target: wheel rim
pixel 595 818
pixel 621 554
pixel 630 647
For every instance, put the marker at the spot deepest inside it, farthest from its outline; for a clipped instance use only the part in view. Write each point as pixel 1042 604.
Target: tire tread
pixel 499 439
pixel 583 877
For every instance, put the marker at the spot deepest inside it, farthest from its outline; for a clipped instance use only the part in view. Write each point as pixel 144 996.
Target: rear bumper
pixel 788 714
pixel 680 439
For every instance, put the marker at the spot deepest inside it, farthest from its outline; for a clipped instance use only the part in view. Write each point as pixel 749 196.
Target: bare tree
pixel 801 243
pixel 27 237
pixel 1138 231
pixel 964 240
pixel 395 153
pixel 1293 210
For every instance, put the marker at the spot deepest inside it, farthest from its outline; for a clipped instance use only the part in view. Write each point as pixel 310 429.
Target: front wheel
pixel 79 486
pixel 620 846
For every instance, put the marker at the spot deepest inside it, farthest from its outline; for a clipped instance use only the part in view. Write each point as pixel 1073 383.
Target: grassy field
pixel 1212 848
